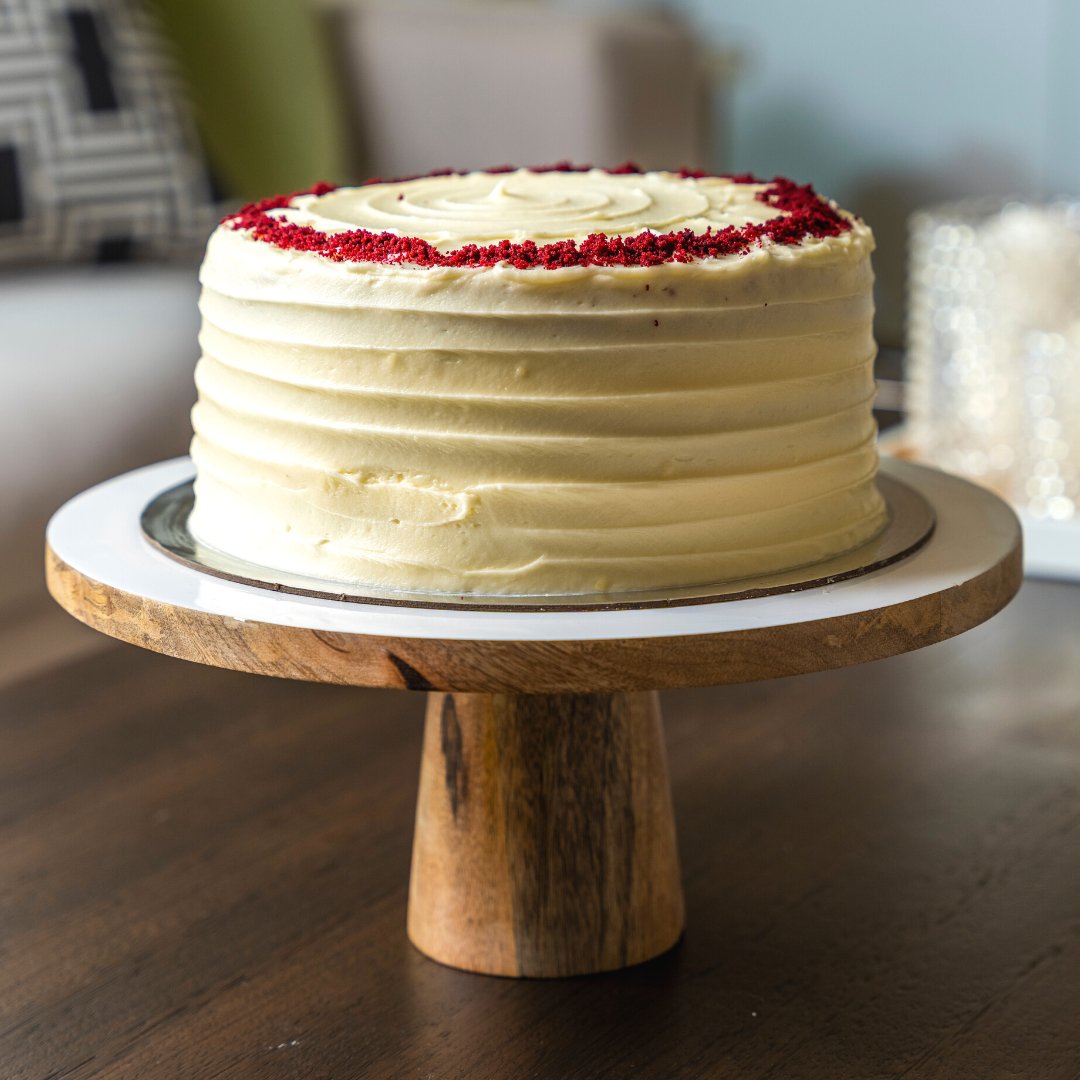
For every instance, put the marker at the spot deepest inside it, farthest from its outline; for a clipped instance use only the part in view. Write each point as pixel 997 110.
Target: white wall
pixel 959 93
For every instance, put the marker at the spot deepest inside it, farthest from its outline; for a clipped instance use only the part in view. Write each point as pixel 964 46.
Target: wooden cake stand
pixel 545 842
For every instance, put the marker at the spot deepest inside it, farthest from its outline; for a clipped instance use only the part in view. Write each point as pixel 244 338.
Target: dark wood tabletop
pixel 203 874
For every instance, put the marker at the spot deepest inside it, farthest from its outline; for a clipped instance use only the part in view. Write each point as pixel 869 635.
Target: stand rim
pixel 966 573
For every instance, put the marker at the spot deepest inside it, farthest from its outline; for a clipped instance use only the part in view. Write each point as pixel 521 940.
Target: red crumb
pixel 803 214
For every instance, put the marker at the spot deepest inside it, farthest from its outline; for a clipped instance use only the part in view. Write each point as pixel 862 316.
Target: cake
pixel 537 381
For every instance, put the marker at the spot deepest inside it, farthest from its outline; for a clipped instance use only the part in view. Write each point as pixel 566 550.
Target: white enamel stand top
pixel 98 535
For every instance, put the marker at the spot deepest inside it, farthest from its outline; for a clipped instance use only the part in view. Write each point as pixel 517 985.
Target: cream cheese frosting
pixel 493 429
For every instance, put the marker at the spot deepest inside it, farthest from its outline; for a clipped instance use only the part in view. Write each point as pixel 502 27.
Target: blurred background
pixel 128 127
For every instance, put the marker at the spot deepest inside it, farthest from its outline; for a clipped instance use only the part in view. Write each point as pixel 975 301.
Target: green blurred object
pixel 263 83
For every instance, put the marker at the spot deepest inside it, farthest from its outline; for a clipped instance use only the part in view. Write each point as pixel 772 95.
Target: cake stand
pixel 545 841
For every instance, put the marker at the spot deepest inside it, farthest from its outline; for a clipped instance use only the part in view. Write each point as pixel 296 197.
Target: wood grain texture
pixel 545 841
pixel 203 875
pixel 529 666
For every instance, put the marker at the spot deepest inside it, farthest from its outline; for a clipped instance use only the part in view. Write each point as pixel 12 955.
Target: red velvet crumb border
pixel 803 214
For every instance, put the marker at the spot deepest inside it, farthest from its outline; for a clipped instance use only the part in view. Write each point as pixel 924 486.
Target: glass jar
pixel 994 348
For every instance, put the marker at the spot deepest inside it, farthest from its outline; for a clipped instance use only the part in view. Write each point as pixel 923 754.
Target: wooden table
pixel 203 874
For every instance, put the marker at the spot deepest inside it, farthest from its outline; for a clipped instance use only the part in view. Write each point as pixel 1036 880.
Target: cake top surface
pixel 550 217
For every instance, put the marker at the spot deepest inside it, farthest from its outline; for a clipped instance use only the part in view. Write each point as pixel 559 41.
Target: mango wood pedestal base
pixel 545 841
pixel 544 837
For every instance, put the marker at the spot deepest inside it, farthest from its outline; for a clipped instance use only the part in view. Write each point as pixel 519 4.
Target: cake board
pixel 545 841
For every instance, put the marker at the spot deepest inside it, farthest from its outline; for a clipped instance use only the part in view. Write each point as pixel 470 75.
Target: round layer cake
pixel 537 381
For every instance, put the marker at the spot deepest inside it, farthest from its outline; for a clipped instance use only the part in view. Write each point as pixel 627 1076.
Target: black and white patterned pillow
pixel 97 160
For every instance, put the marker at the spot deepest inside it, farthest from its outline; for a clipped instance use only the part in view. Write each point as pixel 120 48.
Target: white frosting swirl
pixel 479 208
